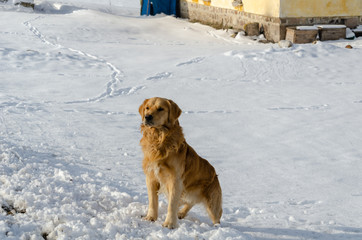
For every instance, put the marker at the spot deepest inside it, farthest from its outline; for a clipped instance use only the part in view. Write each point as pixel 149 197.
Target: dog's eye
pixel 147 108
pixel 160 109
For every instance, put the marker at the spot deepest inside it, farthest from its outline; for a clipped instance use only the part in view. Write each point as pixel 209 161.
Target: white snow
pixel 307 28
pixel 330 26
pixel 281 126
pixel 358 29
pixel 350 34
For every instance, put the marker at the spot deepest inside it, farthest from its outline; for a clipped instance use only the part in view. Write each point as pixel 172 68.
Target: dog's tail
pixel 214 200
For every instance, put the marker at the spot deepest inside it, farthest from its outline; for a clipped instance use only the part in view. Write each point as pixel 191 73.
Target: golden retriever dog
pixel 172 167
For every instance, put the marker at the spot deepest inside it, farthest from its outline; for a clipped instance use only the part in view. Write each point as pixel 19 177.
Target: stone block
pixel 301 36
pixel 351 22
pixel 252 29
pixel 331 32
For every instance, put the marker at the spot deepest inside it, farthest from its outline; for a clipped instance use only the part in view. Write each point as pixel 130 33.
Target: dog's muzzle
pixel 148 119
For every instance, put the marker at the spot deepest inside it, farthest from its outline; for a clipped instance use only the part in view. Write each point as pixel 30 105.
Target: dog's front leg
pixel 152 189
pixel 174 188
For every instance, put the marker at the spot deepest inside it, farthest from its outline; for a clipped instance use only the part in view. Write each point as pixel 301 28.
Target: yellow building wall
pixel 320 8
pixel 217 3
pixel 293 8
pixel 270 8
pixel 262 7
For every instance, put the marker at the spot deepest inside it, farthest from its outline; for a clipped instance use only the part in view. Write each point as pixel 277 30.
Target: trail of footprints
pixel 112 88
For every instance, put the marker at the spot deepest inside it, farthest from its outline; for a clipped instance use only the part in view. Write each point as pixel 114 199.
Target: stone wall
pixel 274 28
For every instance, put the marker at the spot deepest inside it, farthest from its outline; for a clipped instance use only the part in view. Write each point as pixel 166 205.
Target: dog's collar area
pixel 163 127
pixel 148 124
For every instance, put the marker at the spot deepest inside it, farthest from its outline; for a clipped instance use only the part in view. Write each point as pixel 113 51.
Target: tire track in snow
pixel 111 87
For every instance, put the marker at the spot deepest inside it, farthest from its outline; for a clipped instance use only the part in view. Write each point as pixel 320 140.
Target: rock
pixel 237 3
pixel 234 34
pixel 26 4
pixel 252 29
pixel 263 41
pixel 351 22
pixel 285 44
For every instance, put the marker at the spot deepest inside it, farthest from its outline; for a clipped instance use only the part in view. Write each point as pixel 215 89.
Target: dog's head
pixel 159 112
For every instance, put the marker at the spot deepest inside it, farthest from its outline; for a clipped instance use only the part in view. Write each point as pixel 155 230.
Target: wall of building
pixel 262 7
pixel 320 8
pixel 215 3
pixel 269 8
pixel 219 17
pixel 292 8
pixel 273 16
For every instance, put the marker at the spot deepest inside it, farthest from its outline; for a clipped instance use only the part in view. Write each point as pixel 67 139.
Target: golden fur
pixel 172 167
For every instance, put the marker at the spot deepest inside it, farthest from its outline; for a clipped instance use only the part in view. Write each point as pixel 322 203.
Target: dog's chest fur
pixel 160 148
pixel 158 144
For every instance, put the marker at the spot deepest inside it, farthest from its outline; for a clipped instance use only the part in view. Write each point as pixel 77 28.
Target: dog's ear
pixel 174 112
pixel 141 109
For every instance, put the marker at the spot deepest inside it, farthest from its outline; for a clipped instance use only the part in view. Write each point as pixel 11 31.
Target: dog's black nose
pixel 148 117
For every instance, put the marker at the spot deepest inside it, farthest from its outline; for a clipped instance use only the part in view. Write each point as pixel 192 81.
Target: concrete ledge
pixel 274 28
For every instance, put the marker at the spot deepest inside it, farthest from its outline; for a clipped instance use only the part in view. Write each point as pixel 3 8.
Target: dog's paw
pixel 181 215
pixel 169 224
pixel 149 218
pixel 217 225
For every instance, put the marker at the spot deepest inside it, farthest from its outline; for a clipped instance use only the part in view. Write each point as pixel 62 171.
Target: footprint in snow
pixel 314 107
pixel 160 76
pixel 192 61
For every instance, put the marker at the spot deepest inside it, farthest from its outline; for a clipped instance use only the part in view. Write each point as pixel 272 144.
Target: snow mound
pixel 50 200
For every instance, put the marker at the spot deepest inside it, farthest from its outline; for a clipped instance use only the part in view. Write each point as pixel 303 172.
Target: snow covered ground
pixel 282 127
